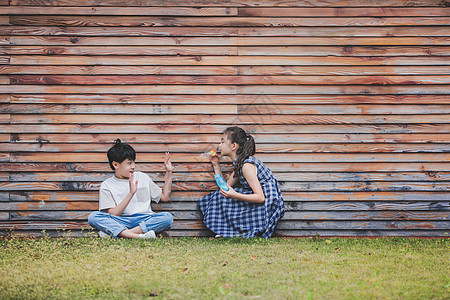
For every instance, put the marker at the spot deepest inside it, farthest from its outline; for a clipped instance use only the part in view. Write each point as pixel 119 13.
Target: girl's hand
pixel 133 185
pixel 168 163
pixel 215 160
pixel 231 193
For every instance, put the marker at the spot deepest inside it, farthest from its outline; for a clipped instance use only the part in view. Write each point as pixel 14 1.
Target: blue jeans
pixel 113 225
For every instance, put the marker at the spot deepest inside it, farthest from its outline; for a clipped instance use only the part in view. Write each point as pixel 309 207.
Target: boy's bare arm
pixel 117 211
pixel 167 189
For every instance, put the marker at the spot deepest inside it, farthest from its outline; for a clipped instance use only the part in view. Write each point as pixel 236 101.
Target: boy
pixel 124 203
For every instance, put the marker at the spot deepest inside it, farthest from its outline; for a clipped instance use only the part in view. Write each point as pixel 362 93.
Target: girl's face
pixel 226 146
pixel 124 168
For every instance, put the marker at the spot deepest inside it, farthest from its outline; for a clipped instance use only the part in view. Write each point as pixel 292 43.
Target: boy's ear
pixel 115 164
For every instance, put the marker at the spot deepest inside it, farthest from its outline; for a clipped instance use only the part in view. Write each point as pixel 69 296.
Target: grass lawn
pixel 201 268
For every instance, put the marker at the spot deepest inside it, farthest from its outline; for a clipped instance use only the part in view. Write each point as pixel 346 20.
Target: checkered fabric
pixel 235 218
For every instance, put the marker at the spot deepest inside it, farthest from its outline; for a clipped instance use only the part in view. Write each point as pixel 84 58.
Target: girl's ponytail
pixel 246 144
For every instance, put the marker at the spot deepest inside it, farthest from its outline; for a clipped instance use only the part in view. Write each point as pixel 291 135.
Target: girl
pixel 254 208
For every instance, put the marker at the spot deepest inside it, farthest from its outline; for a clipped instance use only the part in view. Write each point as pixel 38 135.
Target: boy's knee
pixel 168 218
pixel 93 216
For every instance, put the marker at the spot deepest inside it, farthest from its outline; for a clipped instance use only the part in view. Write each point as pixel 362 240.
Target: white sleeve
pixel 155 191
pixel 106 199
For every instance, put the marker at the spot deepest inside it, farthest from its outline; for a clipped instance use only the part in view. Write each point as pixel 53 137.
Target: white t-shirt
pixel 114 190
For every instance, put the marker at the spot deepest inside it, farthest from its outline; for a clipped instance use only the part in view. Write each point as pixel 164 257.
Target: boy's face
pixel 123 169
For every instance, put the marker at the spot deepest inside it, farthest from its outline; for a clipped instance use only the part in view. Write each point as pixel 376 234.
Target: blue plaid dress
pixel 235 218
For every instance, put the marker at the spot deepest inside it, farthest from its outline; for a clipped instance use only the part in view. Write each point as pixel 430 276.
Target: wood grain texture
pixel 230 50
pixel 348 102
pixel 231 3
pixel 81 36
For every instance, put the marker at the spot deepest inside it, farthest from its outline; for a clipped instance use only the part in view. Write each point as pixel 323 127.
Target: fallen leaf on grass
pixel 186 271
pixel 253 257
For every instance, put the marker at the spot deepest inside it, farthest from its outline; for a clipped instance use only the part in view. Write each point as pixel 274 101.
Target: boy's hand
pixel 133 185
pixel 168 163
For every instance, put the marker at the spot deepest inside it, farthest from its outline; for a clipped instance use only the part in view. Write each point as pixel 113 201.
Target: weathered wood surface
pixel 231 3
pixel 349 104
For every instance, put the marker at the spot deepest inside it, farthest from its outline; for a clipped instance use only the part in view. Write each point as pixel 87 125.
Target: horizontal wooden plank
pixel 189 210
pixel 365 225
pixel 152 11
pixel 228 21
pixel 349 89
pixel 5 157
pixel 4 196
pixel 379 133
pixel 342 11
pixel 267 157
pixel 227 11
pixel 207 177
pixel 144 70
pixel 4 216
pixel 225 50
pixel 4 98
pixel 229 119
pixel 37 225
pixel 226 99
pixel 4 137
pixel 231 80
pixel 341 70
pixel 250 109
pixel 230 3
pixel 5 40
pixel 211 186
pixel 48 206
pixel 230 89
pixel 4 20
pixel 206 167
pixel 139 26
pixel 129 109
pixel 200 144
pixel 356 233
pixel 4 60
pixel 222 60
pixel 334 50
pixel 365 146
pixel 314 205
pixel 383 215
pixel 156 50
pixel 347 31
pixel 4 80
pixel 142 89
pixel 227 70
pixel 4 119
pixel 58 37
pixel 186 200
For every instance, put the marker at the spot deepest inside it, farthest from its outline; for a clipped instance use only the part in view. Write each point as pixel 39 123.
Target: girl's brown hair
pixel 246 146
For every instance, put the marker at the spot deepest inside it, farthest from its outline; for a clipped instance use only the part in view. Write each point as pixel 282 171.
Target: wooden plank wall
pixel 349 102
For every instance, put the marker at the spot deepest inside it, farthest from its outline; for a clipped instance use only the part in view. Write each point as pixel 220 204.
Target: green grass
pixel 186 268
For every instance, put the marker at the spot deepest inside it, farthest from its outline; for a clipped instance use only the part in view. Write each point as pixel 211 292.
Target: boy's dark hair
pixel 119 152
pixel 246 144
